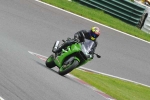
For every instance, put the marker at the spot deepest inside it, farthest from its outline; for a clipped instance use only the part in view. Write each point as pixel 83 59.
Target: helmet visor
pixel 93 35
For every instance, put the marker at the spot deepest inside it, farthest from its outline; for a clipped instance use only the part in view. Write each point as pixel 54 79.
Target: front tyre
pixel 69 68
pixel 50 61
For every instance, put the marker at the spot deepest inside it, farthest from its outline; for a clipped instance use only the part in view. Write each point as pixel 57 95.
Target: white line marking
pixel 91 87
pixel 92 21
pixel 1 98
pixel 83 68
pixel 37 54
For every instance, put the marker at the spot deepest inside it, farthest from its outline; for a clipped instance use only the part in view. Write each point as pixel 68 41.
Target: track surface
pixel 26 25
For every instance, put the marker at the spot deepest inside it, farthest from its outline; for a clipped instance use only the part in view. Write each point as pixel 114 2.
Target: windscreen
pixel 87 45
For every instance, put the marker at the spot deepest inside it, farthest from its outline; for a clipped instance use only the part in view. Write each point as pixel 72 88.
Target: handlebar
pixel 98 56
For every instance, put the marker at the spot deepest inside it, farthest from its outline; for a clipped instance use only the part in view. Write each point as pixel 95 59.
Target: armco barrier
pixel 125 10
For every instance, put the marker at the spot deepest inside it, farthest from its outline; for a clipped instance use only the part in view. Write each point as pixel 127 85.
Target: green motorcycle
pixel 72 56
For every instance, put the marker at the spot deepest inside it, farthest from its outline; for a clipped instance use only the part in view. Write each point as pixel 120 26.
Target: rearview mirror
pixel 98 56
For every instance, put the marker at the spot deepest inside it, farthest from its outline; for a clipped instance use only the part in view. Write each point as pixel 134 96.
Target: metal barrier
pixel 123 9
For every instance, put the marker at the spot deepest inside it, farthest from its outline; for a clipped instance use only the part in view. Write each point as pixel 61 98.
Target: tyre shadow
pixel 52 69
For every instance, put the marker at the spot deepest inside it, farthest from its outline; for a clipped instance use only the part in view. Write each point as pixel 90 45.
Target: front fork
pixel 69 61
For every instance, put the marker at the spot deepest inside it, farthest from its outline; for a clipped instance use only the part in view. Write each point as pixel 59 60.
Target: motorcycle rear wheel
pixel 69 68
pixel 50 61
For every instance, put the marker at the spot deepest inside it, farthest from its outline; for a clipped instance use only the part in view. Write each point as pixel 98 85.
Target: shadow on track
pixel 55 71
pixel 41 64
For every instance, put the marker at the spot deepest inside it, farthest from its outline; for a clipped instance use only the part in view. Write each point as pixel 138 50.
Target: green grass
pixel 99 16
pixel 118 89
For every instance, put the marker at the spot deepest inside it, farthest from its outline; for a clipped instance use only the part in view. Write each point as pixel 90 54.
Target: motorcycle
pixel 71 57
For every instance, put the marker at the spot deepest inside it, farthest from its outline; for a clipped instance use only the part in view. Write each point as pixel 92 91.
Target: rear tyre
pixel 69 68
pixel 50 61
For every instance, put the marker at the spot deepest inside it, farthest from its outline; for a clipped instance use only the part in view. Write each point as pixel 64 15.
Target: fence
pixel 125 10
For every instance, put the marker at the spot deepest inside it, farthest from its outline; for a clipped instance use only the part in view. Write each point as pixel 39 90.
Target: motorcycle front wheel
pixel 50 61
pixel 68 68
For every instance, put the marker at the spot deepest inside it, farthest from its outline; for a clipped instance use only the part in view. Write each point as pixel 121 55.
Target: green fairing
pixel 71 57
pixel 70 50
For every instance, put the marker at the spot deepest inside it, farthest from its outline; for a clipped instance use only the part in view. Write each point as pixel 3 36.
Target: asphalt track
pixel 27 25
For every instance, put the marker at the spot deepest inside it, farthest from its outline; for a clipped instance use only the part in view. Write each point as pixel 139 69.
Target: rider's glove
pixel 76 39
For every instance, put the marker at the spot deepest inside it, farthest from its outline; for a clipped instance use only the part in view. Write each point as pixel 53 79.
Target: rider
pixel 80 36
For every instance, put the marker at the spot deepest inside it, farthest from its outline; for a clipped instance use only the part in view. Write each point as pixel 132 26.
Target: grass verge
pixel 118 89
pixel 99 16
